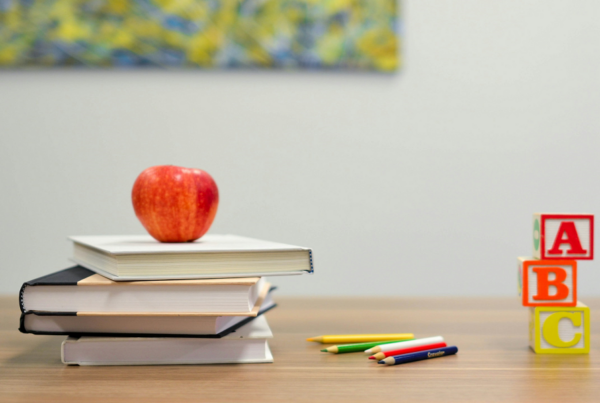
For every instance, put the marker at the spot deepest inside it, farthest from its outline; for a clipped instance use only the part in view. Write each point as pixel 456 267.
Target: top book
pixel 141 257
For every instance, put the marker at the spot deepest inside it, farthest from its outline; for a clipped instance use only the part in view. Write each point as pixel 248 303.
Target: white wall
pixel 420 183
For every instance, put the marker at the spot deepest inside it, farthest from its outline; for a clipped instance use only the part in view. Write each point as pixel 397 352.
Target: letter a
pixel 567 228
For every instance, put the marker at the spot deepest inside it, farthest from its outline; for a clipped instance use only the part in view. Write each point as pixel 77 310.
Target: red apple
pixel 175 204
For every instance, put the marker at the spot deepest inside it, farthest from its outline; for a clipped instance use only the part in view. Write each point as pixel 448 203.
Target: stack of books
pixel 134 301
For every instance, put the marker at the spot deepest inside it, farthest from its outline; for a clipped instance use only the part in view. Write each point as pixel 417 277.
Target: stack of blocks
pixel 558 322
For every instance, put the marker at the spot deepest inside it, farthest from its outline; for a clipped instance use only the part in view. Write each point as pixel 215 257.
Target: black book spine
pixel 69 276
pixel 22 328
pixel 21 302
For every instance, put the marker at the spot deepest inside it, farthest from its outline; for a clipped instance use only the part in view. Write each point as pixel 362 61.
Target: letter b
pixel 544 283
pixel 548 282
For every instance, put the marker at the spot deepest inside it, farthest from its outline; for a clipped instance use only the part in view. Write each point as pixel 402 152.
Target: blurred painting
pixel 221 34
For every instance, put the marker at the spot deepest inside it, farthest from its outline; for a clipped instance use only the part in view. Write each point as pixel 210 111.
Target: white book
pixel 146 325
pixel 247 345
pixel 141 257
pixel 81 291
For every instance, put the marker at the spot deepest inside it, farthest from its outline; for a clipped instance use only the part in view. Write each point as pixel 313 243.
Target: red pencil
pixel 383 354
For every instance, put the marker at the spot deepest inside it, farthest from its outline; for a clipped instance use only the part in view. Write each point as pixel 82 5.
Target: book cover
pixel 140 257
pixel 62 292
pixel 160 321
pixel 247 345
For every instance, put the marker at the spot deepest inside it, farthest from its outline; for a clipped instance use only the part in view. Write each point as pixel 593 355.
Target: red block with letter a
pixel 563 236
pixel 548 282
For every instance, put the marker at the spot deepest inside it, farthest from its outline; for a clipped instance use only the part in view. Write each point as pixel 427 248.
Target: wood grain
pixel 494 363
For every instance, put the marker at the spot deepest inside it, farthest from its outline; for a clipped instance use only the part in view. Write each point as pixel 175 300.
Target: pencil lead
pixel 325 350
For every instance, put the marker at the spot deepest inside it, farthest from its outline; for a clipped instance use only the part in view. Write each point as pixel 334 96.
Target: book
pixel 71 324
pixel 247 345
pixel 81 291
pixel 141 257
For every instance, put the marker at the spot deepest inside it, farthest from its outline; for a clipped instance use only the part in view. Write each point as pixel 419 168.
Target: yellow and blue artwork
pixel 286 34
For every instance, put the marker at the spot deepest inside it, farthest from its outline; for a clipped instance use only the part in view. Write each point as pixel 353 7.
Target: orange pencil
pixel 360 338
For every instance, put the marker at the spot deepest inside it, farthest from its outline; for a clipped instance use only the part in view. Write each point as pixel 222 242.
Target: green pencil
pixel 354 348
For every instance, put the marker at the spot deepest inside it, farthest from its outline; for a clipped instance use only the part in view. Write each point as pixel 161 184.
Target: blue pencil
pixel 418 356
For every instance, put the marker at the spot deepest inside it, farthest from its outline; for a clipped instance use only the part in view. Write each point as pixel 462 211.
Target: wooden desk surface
pixel 493 364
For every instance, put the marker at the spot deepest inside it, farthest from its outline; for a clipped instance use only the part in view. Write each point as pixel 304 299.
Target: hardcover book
pixel 147 325
pixel 141 257
pixel 247 345
pixel 84 293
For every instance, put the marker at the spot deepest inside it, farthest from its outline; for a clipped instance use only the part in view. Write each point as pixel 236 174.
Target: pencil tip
pixel 310 339
pixel 324 350
pixel 371 358
pixel 381 362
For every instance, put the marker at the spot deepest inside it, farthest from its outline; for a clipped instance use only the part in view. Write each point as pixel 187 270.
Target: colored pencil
pixel 382 355
pixel 353 348
pixel 405 344
pixel 360 338
pixel 421 355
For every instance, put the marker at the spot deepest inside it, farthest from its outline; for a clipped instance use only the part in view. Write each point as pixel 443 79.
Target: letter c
pixel 550 328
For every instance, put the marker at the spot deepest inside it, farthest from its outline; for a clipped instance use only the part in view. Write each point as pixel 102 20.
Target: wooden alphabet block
pixel 547 282
pixel 563 236
pixel 560 330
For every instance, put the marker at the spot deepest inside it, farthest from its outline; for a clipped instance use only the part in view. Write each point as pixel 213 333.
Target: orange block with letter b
pixel 548 282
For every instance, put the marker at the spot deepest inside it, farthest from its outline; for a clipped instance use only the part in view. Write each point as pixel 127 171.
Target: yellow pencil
pixel 360 338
